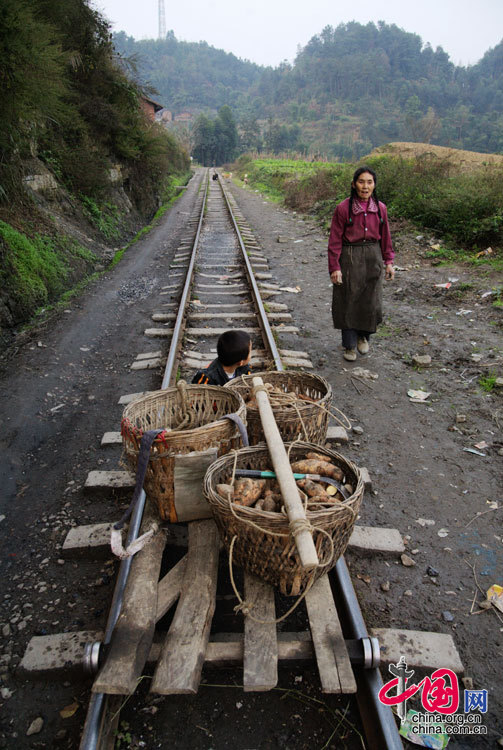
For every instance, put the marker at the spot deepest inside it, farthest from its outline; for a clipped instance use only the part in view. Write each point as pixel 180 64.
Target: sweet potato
pixel 270 501
pixel 247 491
pixel 323 468
pixel 226 491
pixel 313 490
pixel 319 457
pixel 270 504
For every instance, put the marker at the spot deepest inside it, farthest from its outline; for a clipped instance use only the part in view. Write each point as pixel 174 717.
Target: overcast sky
pixel 269 31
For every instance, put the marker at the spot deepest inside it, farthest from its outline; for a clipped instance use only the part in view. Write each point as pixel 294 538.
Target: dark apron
pixel 357 302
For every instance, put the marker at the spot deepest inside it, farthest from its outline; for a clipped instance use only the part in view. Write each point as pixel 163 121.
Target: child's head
pixel 233 348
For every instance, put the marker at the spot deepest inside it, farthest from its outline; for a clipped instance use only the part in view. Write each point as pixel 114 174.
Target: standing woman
pixel 359 247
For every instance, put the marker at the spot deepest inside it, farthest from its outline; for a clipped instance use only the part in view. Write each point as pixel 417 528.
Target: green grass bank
pixel 465 208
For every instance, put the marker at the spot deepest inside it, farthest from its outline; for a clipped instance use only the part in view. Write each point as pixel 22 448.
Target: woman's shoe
pixel 363 345
pixel 349 354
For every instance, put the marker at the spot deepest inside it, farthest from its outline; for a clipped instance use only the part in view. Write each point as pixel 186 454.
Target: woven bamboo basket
pixel 198 409
pixel 275 558
pixel 306 420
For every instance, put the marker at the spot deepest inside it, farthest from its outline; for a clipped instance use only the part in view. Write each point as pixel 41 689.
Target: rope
pixel 185 419
pixel 141 469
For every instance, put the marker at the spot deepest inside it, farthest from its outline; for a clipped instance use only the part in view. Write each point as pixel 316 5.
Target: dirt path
pixel 424 482
pixel 59 394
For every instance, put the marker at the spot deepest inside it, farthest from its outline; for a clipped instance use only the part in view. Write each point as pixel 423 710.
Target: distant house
pixel 150 107
pixel 183 117
pixel 164 115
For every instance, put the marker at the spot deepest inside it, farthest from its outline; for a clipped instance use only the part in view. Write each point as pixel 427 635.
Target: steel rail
pixel 178 329
pixel 263 320
pixel 95 713
pixel 379 724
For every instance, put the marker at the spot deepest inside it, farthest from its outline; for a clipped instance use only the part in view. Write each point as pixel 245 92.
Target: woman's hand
pixel 336 277
pixel 390 272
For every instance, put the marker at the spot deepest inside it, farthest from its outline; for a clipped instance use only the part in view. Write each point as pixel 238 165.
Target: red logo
pixel 439 693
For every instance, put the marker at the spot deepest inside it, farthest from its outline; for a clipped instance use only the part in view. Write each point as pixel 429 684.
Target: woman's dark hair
pixel 233 346
pixel 354 194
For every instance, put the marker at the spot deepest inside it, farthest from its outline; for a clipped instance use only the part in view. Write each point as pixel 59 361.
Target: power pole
pixel 162 20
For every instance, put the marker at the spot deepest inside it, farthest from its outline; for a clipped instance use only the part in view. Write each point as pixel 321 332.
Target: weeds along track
pixel 172 609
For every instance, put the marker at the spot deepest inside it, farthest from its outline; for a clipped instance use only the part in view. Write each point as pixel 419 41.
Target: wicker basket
pixel 202 407
pixel 272 558
pixel 314 424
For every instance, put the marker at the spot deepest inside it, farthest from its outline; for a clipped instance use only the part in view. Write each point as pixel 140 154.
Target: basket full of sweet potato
pixel 300 402
pixel 248 507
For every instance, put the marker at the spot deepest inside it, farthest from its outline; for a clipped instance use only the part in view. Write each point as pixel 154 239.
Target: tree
pixel 203 140
pixel 227 139
pixel 413 116
pixel 249 137
pixel 430 125
pixel 32 75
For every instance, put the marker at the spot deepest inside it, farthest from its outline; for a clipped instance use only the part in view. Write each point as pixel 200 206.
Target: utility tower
pixel 162 20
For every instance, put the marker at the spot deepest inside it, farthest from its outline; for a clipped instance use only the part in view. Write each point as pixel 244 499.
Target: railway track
pixel 218 279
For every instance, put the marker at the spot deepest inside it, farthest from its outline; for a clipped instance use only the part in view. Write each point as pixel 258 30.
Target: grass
pixel 36 269
pixel 498 291
pixel 385 330
pixel 487 382
pixel 171 196
pixel 105 217
pixel 460 290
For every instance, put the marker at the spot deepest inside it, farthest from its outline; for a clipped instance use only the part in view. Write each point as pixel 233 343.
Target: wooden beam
pixel 134 631
pixel 366 539
pixel 420 649
pixel 181 662
pixel 334 666
pixel 260 661
pixel 169 588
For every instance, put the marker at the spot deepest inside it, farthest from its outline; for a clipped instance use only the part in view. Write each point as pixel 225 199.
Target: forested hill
pixel 350 88
pixel 189 74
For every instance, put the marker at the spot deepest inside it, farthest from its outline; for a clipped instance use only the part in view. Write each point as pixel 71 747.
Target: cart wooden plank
pixel 334 666
pixel 260 660
pixel 134 631
pixel 169 588
pixel 184 648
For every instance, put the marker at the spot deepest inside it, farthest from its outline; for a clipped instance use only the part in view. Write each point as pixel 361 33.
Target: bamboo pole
pixel 289 490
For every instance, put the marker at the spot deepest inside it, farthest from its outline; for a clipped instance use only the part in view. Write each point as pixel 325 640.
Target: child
pixel 234 354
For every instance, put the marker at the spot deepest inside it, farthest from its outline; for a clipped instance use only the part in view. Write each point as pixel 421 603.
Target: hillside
pixel 82 164
pixel 351 88
pixel 464 161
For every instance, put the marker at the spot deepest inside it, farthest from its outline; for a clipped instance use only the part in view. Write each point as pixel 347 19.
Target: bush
pixel 465 207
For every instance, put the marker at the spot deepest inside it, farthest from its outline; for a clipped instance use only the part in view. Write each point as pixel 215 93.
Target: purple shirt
pixel 365 227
